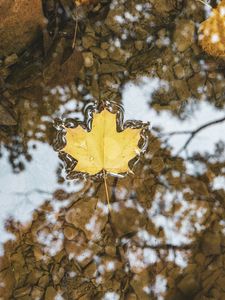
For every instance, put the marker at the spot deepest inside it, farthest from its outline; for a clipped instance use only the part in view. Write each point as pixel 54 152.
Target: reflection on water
pixel 164 238
pixel 174 131
pixel 28 190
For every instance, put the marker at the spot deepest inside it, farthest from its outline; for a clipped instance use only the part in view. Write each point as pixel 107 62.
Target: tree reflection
pixel 164 238
pixel 164 233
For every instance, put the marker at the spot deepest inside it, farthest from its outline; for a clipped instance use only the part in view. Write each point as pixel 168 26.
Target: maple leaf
pixel 103 148
pixel 212 32
pixel 100 149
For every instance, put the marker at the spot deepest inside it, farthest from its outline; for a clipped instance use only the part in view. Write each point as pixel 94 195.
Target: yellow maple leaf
pixel 103 148
pixel 212 32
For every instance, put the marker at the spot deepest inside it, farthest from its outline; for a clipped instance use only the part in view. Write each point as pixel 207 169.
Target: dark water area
pixel 165 235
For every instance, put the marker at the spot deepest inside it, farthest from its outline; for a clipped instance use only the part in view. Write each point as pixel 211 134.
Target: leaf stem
pixel 106 190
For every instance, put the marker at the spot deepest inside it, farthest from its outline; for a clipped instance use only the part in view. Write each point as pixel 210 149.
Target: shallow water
pixel 164 238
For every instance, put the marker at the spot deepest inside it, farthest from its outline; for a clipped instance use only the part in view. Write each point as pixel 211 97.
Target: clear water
pixel 164 238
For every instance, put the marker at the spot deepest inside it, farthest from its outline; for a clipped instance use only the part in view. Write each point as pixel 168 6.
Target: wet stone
pixel 105 45
pixel 179 71
pixel 221 282
pixel 94 220
pixel 118 55
pixel 50 293
pixel 81 251
pixel 210 281
pixel 163 7
pixel 111 20
pixel 99 52
pixel 22 292
pixel 57 274
pixel 215 293
pixel 91 270
pixel 182 89
pixel 144 60
pixel 107 80
pixel 17 259
pixel 188 71
pixel 107 68
pixel 165 72
pixel 70 232
pixel 139 45
pixel 127 219
pixel 59 256
pixel 37 293
pixel 6 118
pixel 167 57
pixel 34 276
pixel 88 59
pixel 43 281
pixel 219 88
pixel 11 60
pixel 4 263
pixel 196 84
pixel 139 283
pixel 85 288
pixel 38 253
pixel 27 297
pixel 21 21
pixel 89 30
pixel 199 187
pixel 195 66
pixel 4 73
pixel 88 41
pixel 7 283
pixel 110 250
pixel 157 164
pixel 200 258
pixel 131 296
pixel 211 244
pixel 188 285
pixel 95 88
pixel 141 33
pixel 184 34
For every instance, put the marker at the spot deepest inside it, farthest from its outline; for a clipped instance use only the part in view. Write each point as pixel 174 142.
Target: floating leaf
pixel 103 148
pixel 102 145
pixel 212 32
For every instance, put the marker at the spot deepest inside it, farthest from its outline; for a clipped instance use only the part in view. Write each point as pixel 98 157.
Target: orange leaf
pixel 212 32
